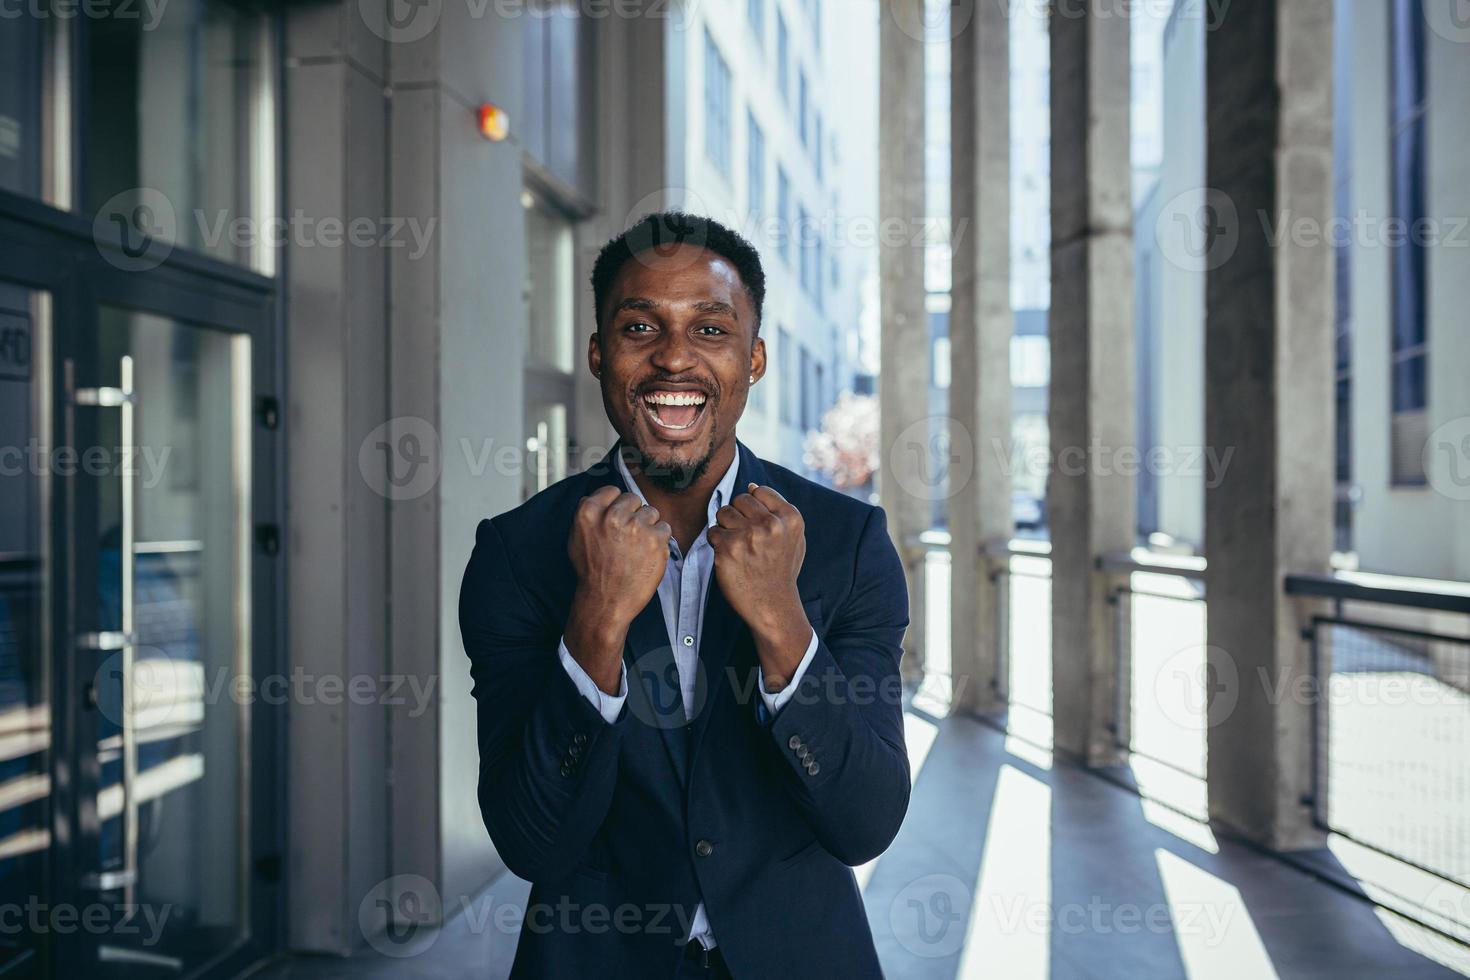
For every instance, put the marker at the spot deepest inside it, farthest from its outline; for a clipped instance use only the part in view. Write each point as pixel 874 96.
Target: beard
pixel 673 475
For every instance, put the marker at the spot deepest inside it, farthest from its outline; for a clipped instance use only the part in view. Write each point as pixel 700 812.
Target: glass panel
pixel 22 43
pixel 546 447
pixel 179 126
pixel 25 695
pixel 185 731
pixel 550 288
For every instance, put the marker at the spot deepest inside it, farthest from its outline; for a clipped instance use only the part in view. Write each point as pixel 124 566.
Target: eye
pixel 711 329
pixel 638 326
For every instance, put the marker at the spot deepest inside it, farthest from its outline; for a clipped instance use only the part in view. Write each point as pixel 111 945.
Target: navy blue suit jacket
pixel 621 828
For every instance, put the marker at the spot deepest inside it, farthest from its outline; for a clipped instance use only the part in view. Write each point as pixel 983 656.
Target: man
pixel 686 660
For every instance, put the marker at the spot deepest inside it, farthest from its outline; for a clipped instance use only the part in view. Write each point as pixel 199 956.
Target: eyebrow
pixel 643 304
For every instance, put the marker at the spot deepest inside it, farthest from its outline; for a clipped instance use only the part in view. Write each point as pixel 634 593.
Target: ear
pixel 758 359
pixel 594 354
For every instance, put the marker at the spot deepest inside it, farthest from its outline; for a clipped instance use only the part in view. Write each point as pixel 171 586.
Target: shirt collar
pixel 724 490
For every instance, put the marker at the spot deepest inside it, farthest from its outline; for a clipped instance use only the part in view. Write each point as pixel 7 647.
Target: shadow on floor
pixel 1011 867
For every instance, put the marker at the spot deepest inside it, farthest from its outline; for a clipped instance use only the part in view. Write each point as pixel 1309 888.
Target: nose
pixel 674 353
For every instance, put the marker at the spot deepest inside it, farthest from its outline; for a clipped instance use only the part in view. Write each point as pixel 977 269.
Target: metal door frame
pixel 45 249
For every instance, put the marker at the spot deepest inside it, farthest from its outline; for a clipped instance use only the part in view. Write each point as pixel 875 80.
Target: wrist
pixel 780 621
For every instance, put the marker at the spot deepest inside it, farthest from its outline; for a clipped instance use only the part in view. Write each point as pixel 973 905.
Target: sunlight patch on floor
pixel 1217 937
pixel 1010 918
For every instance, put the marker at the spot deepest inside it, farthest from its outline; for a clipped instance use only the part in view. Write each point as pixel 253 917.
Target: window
pixel 1409 361
pixel 789 364
pixel 755 166
pixel 803 116
pixel 755 13
pixel 808 393
pixel 803 225
pixel 1030 361
pixel 716 107
pixel 940 366
pixel 817 144
pixel 180 112
pixel 783 216
pixel 783 58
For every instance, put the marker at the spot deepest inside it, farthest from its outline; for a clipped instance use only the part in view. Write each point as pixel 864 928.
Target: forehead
pixel 685 274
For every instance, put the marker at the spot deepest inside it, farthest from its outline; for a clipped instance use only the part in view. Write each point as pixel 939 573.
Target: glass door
pixel 27 683
pixel 163 595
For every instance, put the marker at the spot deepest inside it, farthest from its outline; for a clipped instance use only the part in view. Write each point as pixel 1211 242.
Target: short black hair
pixel 665 229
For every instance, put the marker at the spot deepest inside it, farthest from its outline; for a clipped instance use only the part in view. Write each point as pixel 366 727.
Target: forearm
pixel 596 633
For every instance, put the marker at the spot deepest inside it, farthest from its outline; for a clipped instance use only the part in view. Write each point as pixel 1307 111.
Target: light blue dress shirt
pixel 681 594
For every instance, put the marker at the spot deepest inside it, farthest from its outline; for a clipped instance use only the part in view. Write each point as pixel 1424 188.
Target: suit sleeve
pixel 548 759
pixel 841 733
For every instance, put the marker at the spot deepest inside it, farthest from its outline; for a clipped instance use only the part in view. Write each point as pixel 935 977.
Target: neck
pixel 687 510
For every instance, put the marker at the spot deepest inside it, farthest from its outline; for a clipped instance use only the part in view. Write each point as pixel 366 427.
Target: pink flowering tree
pixel 845 448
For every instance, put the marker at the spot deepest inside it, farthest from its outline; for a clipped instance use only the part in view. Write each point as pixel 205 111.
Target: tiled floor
pixel 1010 867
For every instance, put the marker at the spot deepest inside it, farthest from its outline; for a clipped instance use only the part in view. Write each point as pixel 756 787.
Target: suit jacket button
pixel 704 848
pixel 813 767
pixel 566 770
pixel 794 743
pixel 579 739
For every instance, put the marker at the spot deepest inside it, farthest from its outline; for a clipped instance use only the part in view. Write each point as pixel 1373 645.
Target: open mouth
pixel 674 411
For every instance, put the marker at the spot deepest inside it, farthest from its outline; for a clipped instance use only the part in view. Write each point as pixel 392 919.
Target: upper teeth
pixel 675 398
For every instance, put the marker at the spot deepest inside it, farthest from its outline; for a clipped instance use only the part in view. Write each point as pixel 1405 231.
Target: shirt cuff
pixel 775 702
pixel 607 705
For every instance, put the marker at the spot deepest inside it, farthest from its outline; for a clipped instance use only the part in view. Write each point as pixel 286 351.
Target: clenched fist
pixel 759 544
pixel 619 547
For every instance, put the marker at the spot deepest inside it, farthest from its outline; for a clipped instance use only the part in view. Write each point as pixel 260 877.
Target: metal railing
pixel 1171 727
pixel 1391 734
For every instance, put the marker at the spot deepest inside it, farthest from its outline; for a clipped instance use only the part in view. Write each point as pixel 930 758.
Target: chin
pixel 673 468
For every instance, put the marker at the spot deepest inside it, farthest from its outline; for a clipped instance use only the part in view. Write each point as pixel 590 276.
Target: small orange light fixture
pixel 494 122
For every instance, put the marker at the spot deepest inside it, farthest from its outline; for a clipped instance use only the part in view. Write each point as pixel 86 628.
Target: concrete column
pixel 459 326
pixel 336 346
pixel 1091 497
pixel 980 333
pixel 1269 398
pixel 906 478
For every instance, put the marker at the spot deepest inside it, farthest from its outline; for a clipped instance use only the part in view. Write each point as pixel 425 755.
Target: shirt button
pixel 689 641
pixel 704 848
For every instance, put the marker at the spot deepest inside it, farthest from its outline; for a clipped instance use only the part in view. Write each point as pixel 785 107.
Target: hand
pixel 759 544
pixel 619 548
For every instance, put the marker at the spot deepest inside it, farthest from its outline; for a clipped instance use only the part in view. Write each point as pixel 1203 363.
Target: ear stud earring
pixel 752 379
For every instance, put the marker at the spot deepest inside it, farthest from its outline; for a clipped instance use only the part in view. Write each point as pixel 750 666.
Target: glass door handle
pixel 124 640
